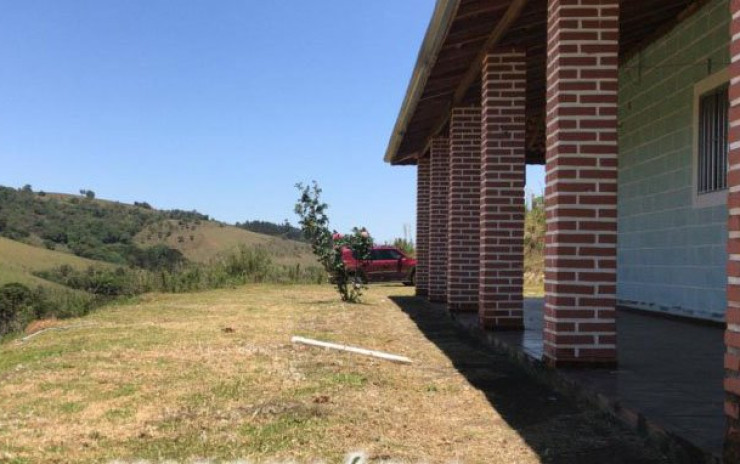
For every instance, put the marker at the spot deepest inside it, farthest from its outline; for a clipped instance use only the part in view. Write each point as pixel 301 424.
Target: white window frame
pixel 701 88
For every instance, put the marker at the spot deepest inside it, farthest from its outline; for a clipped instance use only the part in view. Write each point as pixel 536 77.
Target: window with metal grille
pixel 712 149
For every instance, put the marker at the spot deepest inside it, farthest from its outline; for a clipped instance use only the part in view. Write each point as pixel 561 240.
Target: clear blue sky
pixel 220 106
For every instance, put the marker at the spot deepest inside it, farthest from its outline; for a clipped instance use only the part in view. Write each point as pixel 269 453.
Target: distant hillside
pixel 284 230
pixel 84 226
pixel 18 261
pixel 204 240
pixel 64 255
pixel 130 234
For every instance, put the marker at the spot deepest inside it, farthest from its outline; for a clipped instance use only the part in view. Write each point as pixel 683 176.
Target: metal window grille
pixel 713 128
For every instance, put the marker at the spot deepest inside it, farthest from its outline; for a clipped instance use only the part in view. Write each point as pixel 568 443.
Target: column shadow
pixel 556 427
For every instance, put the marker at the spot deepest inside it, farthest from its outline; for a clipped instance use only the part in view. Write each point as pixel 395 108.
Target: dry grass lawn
pixel 214 375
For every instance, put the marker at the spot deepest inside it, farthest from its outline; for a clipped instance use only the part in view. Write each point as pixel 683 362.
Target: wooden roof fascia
pixel 444 13
pixel 512 14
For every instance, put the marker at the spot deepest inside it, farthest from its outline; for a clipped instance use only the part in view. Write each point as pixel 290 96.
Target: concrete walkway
pixel 670 371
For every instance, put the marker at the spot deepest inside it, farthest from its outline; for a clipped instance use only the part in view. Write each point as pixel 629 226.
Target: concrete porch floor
pixel 670 371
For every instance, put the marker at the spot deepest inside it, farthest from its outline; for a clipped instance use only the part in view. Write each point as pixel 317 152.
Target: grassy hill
pixel 123 234
pixel 205 240
pixel 18 261
pixel 50 240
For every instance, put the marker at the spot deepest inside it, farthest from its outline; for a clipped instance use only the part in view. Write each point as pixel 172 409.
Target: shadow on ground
pixel 557 428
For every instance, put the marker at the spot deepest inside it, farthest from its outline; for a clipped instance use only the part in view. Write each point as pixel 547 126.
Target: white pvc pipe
pixel 351 349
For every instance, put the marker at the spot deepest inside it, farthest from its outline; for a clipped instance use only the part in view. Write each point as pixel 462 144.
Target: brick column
pixel 581 182
pixel 732 333
pixel 463 252
pixel 422 226
pixel 502 190
pixel 438 190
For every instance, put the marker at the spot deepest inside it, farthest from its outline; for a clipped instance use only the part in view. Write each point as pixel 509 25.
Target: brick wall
pixel 422 226
pixel 463 224
pixel 502 190
pixel 581 188
pixel 438 191
pixel 732 334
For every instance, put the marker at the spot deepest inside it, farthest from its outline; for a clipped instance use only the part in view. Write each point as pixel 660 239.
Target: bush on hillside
pixel 19 305
pixel 156 258
pixel 15 299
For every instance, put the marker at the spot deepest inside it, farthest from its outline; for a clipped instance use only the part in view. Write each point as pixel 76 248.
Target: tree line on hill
pixel 284 230
pixel 100 230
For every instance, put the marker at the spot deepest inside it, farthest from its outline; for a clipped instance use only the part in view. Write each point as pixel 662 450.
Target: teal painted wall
pixel 671 255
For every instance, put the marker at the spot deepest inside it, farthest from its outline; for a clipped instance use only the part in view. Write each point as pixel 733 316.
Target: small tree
pixel 534 241
pixel 534 226
pixel 328 246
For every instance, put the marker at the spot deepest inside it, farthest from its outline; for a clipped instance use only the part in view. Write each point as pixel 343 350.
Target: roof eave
pixel 444 13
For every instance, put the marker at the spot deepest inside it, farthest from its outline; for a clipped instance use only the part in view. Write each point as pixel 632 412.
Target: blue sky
pixel 216 106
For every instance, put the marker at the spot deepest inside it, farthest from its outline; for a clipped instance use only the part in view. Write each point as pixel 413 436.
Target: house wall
pixel 671 254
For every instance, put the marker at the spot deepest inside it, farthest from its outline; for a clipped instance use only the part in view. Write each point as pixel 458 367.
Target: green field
pixel 18 261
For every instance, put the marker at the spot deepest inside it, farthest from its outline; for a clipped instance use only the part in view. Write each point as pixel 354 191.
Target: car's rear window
pixel 384 253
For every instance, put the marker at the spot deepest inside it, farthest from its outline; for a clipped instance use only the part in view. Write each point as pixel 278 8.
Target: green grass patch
pixel 71 407
pixel 351 379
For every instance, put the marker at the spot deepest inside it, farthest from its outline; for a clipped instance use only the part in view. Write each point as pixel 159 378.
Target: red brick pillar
pixel 502 190
pixel 732 333
pixel 463 252
pixel 422 226
pixel 438 190
pixel 581 182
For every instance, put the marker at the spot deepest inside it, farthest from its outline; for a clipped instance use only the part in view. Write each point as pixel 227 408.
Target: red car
pixel 386 263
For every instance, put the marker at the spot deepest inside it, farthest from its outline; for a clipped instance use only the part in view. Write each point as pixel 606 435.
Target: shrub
pixel 15 299
pixel 328 246
pixel 156 257
pixel 19 305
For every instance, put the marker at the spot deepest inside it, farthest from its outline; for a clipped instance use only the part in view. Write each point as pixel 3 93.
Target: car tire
pixel 412 279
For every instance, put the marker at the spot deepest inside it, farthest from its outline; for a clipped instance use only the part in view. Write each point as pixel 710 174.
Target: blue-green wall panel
pixel 671 255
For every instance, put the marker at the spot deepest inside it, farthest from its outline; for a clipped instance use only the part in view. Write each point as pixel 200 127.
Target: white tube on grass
pixel 351 349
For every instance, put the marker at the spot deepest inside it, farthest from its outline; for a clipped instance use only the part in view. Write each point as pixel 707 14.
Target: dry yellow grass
pixel 205 241
pixel 214 375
